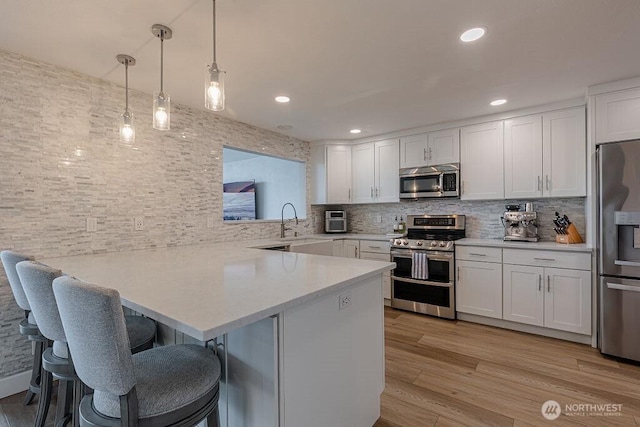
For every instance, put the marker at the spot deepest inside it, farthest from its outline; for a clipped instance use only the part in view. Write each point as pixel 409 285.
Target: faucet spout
pixel 282 226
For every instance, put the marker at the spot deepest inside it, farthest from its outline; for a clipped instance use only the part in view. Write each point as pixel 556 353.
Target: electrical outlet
pixel 138 223
pixel 344 300
pixel 500 221
pixel 379 218
pixel 92 224
pixel 210 222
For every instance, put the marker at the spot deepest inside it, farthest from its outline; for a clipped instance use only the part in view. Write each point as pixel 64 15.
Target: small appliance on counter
pixel 335 222
pixel 520 226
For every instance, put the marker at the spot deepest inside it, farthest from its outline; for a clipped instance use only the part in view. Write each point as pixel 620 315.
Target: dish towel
pixel 419 266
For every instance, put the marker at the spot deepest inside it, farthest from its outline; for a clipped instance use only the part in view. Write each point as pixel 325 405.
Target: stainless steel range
pixel 424 280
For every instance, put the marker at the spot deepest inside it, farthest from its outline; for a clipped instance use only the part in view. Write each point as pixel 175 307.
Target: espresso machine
pixel 520 225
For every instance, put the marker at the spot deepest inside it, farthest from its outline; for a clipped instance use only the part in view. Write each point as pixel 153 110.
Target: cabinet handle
pixel 471 253
pixel 424 154
pixel 461 188
pixel 430 153
pixel 372 192
pixel 356 251
pixel 547 180
pixel 539 183
pixel 458 274
pixel 545 259
pixel 349 195
pixel 377 193
pixel 539 282
pixel 375 247
pixel 548 283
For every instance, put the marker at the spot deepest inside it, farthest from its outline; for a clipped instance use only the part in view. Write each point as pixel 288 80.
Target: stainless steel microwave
pixel 335 222
pixel 430 181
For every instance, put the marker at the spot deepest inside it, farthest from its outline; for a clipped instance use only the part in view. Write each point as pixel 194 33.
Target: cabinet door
pixel 336 249
pixel 565 153
pixel 387 179
pixel 479 288
pixel 523 157
pixel 351 249
pixel 338 174
pixel 481 161
pixel 413 151
pixel 443 147
pixel 362 161
pixel 567 304
pixel 617 116
pixel 523 294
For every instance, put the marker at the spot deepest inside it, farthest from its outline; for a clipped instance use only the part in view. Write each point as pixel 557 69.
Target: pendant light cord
pixel 214 31
pixel 126 84
pixel 161 59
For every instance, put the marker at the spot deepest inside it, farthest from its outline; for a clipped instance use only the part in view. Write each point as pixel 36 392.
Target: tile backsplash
pixel 482 217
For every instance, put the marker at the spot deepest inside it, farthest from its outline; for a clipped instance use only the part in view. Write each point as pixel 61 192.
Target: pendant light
pixel 127 130
pixel 214 78
pixel 161 100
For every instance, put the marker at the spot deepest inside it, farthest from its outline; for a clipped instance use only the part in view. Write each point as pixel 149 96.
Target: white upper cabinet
pixel 433 148
pixel 617 116
pixel 523 157
pixel 545 155
pixel 564 153
pixel 330 174
pixel 481 161
pixel 375 172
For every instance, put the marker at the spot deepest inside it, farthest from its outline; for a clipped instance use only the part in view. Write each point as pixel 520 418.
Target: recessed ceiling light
pixel 497 102
pixel 282 99
pixel 473 34
pixel 355 131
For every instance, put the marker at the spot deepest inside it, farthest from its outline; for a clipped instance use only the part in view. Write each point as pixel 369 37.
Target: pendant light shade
pixel 127 129
pixel 161 99
pixel 214 77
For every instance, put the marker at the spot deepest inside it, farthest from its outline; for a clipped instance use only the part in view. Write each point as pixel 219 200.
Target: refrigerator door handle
pixel 627 263
pixel 623 287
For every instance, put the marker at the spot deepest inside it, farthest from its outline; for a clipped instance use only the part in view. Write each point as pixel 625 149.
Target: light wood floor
pixel 446 373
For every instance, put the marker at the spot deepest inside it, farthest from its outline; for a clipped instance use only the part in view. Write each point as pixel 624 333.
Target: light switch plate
pixel 210 222
pixel 379 218
pixel 92 225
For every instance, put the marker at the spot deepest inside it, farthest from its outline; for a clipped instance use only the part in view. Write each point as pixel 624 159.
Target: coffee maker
pixel 520 225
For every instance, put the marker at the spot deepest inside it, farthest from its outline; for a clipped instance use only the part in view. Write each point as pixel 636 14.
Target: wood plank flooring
pixel 452 373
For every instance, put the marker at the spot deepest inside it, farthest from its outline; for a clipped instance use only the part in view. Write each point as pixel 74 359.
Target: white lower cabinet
pixel 479 281
pixel 378 251
pixel 550 289
pixel 351 249
pixel 558 298
pixel 336 249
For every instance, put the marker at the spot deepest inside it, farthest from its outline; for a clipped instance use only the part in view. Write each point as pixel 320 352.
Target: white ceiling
pixel 380 66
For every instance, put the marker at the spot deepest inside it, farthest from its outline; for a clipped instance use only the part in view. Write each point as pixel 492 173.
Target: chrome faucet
pixel 295 215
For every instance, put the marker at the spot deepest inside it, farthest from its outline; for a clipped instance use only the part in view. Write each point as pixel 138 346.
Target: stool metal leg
pixel 63 406
pixel 46 384
pixel 34 383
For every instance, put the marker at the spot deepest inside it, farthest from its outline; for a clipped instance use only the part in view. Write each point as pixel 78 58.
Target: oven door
pixel 435 295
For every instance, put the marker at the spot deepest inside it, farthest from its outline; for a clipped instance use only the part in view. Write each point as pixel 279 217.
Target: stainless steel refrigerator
pixel 619 248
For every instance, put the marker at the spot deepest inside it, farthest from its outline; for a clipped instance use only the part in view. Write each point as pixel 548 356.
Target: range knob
pixel 442 244
pixel 434 243
pixel 397 242
pixel 419 243
pixel 405 242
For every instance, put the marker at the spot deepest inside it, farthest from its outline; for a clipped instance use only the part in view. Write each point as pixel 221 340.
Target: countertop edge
pixel 548 246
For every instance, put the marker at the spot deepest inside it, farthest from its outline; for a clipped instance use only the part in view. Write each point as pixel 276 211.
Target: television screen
pixel 239 200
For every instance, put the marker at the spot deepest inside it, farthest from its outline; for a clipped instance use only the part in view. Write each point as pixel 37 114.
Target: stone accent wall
pixel 61 162
pixel 482 217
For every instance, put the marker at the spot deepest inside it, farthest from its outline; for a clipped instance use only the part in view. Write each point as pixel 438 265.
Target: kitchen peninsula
pixel 301 335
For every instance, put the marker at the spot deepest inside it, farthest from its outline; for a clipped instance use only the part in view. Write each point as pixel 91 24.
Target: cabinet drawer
pixel 375 246
pixel 478 253
pixel 375 256
pixel 575 261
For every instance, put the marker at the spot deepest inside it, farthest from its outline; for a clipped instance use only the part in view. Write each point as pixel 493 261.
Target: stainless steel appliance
pixel 520 226
pixel 424 280
pixel 430 181
pixel 619 248
pixel 335 222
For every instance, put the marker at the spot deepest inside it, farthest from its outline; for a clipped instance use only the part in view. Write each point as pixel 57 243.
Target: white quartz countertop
pixel 210 289
pixel 549 246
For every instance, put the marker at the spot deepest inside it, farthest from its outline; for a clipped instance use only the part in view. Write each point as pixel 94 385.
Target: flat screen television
pixel 239 200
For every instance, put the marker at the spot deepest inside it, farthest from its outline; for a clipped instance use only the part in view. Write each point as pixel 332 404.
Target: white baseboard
pixel 14 384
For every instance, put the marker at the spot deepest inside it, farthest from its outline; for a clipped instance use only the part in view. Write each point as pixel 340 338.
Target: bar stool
pixel 175 385
pixel 37 280
pixel 28 326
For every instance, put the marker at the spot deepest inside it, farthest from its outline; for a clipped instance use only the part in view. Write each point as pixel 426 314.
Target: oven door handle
pixel 422 282
pixel 431 256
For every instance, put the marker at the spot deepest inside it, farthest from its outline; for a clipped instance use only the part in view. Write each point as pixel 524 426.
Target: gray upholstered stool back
pixel 9 261
pixel 37 282
pixel 96 333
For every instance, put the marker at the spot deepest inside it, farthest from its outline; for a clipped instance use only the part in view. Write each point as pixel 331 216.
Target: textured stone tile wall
pixel 61 162
pixel 482 217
